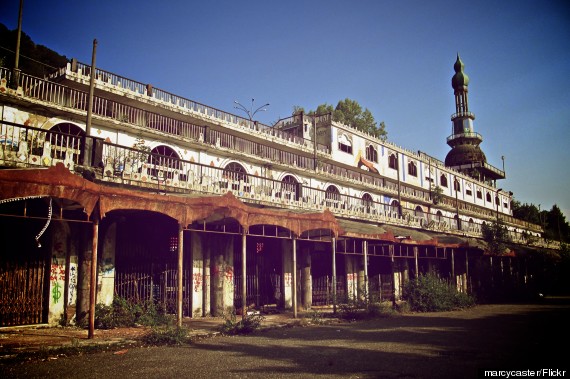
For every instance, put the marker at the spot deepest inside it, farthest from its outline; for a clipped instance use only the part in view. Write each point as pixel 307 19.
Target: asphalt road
pixel 434 345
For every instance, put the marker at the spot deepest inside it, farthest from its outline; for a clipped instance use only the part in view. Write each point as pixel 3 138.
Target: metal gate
pixel 158 283
pixel 22 292
pixel 323 291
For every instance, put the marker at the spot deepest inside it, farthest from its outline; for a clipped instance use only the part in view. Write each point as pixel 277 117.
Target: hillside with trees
pixel 36 60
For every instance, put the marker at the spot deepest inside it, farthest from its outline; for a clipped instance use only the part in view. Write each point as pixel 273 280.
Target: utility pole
pixel 16 71
pixel 88 145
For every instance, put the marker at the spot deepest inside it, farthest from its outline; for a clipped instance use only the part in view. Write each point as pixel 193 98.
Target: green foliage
pixel 554 222
pixel 123 313
pixel 166 335
pixel 36 60
pixel 430 294
pixel 316 317
pixel 247 325
pixel 350 112
pixel 436 194
pixel 360 310
pixel 496 236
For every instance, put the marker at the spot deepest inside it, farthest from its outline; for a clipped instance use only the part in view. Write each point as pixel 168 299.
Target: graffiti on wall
pixel 197 280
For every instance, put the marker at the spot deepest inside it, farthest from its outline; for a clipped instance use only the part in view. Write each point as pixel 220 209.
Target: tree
pixel 297 109
pixel 36 60
pixel 526 212
pixel 496 236
pixel 350 112
pixel 557 227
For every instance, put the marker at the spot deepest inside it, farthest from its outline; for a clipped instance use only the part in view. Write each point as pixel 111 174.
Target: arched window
pixel 479 194
pixel 164 161
pixel 332 195
pixel 344 143
pixel 412 169
pixel 395 208
pixel 290 187
pixel 443 180
pixel 367 202
pixel 393 161
pixel 488 197
pixel 419 212
pixel 235 173
pixel 371 154
pixel 438 216
pixel 65 136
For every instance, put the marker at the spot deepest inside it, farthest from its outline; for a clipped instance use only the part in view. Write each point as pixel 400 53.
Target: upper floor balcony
pixel 22 146
pixel 136 94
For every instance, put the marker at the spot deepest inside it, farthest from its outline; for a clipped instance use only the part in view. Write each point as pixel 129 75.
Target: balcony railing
pixel 69 98
pixel 465 135
pixel 28 147
pixel 193 106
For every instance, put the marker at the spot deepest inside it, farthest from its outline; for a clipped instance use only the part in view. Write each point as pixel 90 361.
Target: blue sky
pixel 393 57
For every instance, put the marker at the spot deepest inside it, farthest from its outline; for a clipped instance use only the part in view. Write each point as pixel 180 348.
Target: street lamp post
pixel 250 112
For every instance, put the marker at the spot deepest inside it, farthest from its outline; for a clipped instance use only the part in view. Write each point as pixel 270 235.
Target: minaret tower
pixel 466 156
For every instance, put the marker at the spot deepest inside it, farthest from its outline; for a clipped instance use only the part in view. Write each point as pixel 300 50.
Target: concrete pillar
pixel 333 245
pixel 287 274
pixel 360 276
pixel 416 265
pixel 206 275
pixel 93 279
pixel 306 281
pixel 351 278
pixel 58 285
pixel 244 274
pixel 197 275
pixel 363 275
pixel 222 278
pixel 85 247
pixel 294 282
pixel 180 275
pixel 106 278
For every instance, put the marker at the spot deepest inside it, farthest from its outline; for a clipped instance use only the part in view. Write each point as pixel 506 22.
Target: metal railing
pixel 69 154
pixel 172 99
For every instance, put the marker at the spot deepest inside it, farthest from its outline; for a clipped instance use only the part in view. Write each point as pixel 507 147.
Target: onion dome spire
pixel 460 80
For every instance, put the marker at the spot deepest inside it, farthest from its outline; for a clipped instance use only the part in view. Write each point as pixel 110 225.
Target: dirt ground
pixel 423 345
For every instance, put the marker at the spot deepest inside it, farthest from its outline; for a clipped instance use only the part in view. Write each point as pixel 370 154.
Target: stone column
pixel 106 278
pixel 306 281
pixel 222 274
pixel 351 278
pixel 287 274
pixel 198 285
pixel 85 246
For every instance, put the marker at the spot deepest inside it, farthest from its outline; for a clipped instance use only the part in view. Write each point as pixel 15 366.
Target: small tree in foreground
pixel 431 294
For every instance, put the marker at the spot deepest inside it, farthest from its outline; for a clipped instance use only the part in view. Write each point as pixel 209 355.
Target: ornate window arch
pixel 393 161
pixel 344 143
pixel 443 180
pixel 412 169
pixel 290 186
pixel 66 136
pixel 371 153
pixel 164 161
pixel 235 173
pixel 367 202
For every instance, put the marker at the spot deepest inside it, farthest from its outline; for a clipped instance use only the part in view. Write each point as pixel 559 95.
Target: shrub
pixel 360 310
pixel 430 294
pixel 166 335
pixel 124 313
pixel 250 323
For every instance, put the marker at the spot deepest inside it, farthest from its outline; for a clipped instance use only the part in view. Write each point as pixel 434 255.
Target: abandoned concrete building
pixel 135 192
